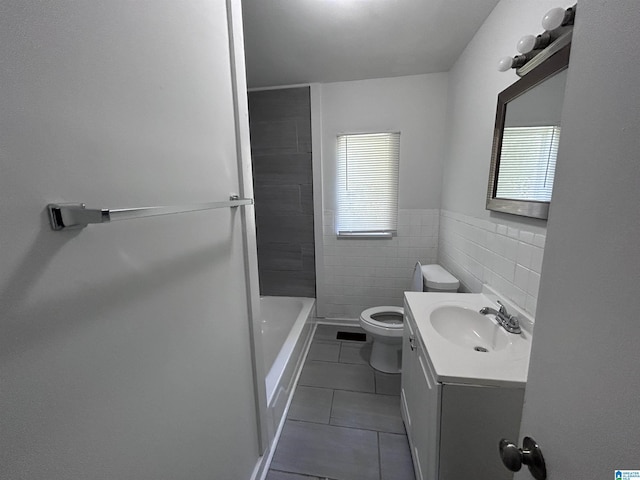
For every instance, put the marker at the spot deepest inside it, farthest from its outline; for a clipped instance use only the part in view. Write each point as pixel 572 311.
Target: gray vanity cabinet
pixel 453 429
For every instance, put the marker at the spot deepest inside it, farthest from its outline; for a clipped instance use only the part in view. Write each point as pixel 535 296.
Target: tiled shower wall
pixel 478 251
pixel 362 273
pixel 280 124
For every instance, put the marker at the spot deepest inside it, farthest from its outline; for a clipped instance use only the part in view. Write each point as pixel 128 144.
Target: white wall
pixel 583 380
pixel 413 105
pixel 124 347
pixel 357 274
pixel 474 84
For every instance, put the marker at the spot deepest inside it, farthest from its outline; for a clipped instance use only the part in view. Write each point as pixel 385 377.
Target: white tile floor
pixel 344 422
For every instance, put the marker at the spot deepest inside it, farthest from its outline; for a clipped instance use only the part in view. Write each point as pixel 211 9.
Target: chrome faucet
pixel 505 320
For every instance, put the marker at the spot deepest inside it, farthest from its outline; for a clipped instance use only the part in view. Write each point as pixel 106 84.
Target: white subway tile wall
pixel 362 273
pixel 478 251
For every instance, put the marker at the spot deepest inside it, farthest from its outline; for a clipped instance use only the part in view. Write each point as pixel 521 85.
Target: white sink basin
pixel 468 328
pixel 454 334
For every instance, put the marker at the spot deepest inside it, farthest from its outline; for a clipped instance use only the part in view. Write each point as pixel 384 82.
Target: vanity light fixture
pixel 558 17
pixel 558 25
pixel 507 63
pixel 529 43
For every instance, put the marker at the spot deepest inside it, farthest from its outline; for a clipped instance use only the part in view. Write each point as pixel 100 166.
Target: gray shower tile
pixel 287 283
pixel 276 475
pixel 278 199
pixel 308 253
pixel 303 125
pixel 274 136
pixel 327 451
pixel 340 376
pixel 311 404
pixel 388 383
pixel 306 198
pixel 324 351
pixel 294 228
pixel 279 256
pixel 282 169
pixel 329 332
pixel 279 103
pixel 367 410
pixel 395 457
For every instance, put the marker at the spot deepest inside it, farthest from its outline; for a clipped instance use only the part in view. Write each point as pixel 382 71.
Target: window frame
pixel 391 208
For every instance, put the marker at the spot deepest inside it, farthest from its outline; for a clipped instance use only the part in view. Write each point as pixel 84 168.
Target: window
pixel 368 184
pixel 528 163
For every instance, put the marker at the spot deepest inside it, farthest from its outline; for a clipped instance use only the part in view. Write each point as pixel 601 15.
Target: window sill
pixel 367 235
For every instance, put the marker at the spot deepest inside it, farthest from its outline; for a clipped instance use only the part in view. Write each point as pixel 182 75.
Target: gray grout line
pixel 379 458
pixel 349 363
pixel 356 391
pixel 333 396
pixel 375 383
pixel 350 428
pixel 300 474
pixel 351 391
pixel 368 430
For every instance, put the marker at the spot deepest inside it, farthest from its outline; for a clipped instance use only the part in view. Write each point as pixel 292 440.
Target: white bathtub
pixel 286 333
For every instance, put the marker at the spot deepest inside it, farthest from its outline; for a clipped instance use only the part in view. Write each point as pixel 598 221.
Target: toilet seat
pixel 385 329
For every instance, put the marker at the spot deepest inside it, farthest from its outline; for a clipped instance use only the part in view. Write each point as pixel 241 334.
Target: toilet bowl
pixel 385 324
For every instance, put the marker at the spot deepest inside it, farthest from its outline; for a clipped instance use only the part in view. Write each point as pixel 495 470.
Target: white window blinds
pixel 368 184
pixel 528 163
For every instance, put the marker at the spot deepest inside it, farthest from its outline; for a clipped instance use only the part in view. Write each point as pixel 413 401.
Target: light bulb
pixel 553 18
pixel 505 64
pixel 526 44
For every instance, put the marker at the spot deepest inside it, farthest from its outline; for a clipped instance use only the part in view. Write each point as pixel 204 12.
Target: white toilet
pixel 385 324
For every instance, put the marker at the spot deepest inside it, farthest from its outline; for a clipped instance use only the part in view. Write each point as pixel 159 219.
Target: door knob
pixel 530 454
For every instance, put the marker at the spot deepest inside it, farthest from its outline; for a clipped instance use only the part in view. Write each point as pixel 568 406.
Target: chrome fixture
pixel 67 216
pixel 530 455
pixel 505 320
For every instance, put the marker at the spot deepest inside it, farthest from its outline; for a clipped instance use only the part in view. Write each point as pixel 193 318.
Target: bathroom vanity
pixel 463 380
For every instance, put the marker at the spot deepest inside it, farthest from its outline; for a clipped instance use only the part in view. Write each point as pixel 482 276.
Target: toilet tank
pixel 437 279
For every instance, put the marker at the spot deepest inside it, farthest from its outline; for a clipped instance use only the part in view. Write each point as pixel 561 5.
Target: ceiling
pixel 288 42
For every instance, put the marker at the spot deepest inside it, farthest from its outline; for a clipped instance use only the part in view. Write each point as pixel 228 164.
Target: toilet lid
pixel 438 278
pixel 387 317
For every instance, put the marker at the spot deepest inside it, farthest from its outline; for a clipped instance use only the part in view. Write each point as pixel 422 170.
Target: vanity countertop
pixel 506 366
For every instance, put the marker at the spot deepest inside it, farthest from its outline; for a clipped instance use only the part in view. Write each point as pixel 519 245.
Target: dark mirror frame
pixel 548 68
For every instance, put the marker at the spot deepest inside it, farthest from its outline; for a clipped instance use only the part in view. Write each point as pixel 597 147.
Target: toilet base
pixel 386 354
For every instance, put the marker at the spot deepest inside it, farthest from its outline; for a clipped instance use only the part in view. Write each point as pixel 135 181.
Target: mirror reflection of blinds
pixel 528 163
pixel 368 167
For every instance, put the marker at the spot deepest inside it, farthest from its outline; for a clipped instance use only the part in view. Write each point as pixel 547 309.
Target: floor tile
pixel 327 451
pixel 352 352
pixel 275 475
pixel 325 351
pixel 395 457
pixel 329 332
pixel 341 376
pixel 367 410
pixel 388 383
pixel 311 404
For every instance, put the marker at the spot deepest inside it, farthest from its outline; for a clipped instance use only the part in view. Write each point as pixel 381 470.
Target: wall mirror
pixel 525 140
